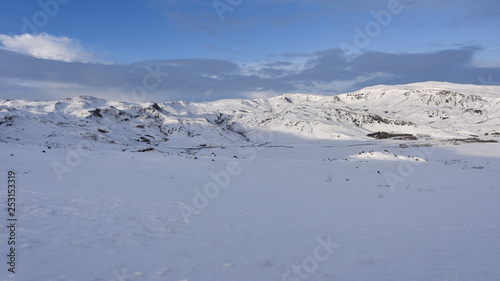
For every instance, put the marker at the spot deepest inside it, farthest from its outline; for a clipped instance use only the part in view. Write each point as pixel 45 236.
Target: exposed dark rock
pixel 95 113
pixel 385 135
pixel 145 149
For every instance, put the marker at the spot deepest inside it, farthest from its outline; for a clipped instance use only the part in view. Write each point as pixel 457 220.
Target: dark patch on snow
pixel 385 135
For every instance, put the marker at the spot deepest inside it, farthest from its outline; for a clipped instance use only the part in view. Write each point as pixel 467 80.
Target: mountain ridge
pixel 428 111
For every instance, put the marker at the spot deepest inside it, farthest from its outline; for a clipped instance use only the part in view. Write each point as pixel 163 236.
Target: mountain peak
pixel 417 109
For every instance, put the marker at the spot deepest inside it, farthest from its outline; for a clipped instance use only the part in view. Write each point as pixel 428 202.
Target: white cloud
pixel 46 46
pixel 261 94
pixel 342 86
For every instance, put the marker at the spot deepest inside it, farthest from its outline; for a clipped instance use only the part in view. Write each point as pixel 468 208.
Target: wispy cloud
pixel 45 46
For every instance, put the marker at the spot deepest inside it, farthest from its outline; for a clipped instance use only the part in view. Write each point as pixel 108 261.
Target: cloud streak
pixel 324 72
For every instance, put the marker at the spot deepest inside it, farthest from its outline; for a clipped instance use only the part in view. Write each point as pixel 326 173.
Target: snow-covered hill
pixel 220 199
pixel 426 111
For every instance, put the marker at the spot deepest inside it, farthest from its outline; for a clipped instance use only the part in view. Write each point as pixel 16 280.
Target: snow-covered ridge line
pixel 425 110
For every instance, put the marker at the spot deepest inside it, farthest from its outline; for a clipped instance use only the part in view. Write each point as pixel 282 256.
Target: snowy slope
pixel 424 110
pixel 288 188
pixel 140 216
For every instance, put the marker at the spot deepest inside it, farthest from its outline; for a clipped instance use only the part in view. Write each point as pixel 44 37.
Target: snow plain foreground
pixel 315 211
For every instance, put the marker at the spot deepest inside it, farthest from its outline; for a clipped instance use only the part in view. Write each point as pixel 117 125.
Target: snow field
pixel 117 214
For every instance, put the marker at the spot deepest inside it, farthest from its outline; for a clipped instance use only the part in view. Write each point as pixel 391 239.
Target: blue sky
pixel 193 50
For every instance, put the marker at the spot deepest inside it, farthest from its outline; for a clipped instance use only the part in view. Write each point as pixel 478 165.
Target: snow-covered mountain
pixel 423 111
pixel 219 199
